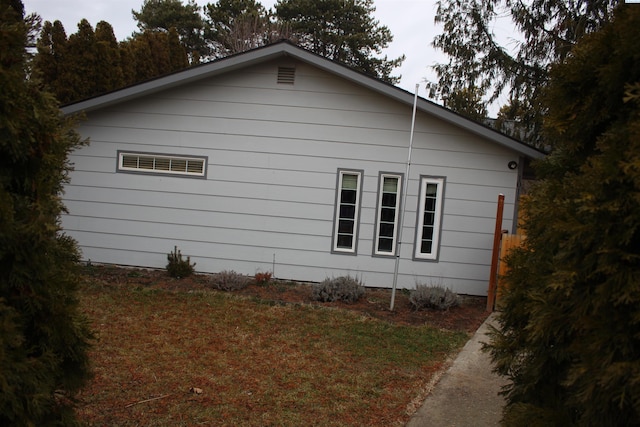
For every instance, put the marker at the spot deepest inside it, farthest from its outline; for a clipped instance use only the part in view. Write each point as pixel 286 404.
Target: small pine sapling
pixel 177 266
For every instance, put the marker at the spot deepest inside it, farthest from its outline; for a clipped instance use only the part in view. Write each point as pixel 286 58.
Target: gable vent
pixel 286 75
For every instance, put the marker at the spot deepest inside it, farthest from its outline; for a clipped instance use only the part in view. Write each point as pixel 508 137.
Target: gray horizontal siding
pixel 273 152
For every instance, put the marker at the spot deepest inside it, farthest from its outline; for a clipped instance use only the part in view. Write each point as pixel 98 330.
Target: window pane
pixel 348 196
pixel 425 248
pixel 347 211
pixel 345 226
pixel 345 241
pixel 385 245
pixel 389 199
pixel 349 182
pixel 427 233
pixel 387 215
pixel 386 230
pixel 429 217
pixel 432 189
pixel 390 185
pixel 430 204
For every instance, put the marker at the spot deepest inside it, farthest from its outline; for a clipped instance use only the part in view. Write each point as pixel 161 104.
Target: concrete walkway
pixel 467 393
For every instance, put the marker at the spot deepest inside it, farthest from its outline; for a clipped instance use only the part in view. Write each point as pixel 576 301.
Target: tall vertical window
pixel 388 214
pixel 429 214
pixel 345 233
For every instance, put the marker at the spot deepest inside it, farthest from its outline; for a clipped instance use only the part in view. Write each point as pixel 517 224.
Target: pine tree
pixel 570 326
pixel 44 338
pixel 162 15
pixel 540 33
pixel 344 31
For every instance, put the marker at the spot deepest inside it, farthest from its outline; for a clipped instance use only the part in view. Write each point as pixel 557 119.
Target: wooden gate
pixel 508 242
pixel 502 243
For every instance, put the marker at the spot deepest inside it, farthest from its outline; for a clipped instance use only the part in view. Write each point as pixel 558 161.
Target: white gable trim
pixel 285 48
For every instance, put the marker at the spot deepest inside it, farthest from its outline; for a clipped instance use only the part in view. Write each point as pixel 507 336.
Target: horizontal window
pixel 162 164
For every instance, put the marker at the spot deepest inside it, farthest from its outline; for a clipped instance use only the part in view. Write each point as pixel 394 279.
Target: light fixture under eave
pixel 512 165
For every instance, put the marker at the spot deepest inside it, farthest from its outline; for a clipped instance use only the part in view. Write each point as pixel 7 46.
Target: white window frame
pixel 396 219
pixel 160 164
pixel 356 212
pixel 437 218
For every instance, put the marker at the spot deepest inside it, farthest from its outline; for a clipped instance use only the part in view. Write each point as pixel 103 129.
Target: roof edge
pixel 286 48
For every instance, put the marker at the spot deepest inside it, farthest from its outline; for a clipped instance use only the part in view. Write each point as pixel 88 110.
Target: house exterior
pixel 280 160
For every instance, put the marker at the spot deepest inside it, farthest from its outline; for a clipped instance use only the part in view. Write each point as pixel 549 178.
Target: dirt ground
pixel 467 317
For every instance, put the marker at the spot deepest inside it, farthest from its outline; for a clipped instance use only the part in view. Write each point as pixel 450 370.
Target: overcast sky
pixel 410 22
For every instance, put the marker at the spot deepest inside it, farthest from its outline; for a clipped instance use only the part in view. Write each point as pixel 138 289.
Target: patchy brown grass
pixel 172 353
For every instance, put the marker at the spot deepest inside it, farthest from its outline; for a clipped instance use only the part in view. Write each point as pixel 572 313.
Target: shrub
pixel 262 278
pixel 229 280
pixel 178 267
pixel 343 288
pixel 435 297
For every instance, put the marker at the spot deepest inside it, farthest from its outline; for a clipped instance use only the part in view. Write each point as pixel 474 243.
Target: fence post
pixel 497 234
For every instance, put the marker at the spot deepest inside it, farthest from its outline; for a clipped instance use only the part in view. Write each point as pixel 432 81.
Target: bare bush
pixel 343 288
pixel 433 297
pixel 229 280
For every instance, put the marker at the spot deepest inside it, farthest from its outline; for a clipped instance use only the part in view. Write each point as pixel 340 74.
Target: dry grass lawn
pixel 201 357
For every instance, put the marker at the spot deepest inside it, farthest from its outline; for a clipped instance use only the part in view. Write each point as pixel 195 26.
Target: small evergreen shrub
pixel 229 280
pixel 177 266
pixel 343 288
pixel 432 297
pixel 262 278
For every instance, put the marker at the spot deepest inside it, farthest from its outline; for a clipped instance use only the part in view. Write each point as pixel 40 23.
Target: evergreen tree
pixel 178 59
pixel 570 327
pixel 343 31
pixel 80 64
pixel 51 61
pixel 109 74
pixel 152 54
pixel 43 335
pixel 467 102
pixel 162 15
pixel 548 29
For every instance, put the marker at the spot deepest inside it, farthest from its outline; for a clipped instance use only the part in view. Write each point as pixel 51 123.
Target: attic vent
pixel 286 75
pixel 162 164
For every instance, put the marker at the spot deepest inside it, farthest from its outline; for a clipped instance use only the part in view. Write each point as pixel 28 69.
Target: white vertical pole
pixel 403 202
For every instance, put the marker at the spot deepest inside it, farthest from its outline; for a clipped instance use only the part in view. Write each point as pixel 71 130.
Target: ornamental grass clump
pixel 229 280
pixel 433 297
pixel 344 288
